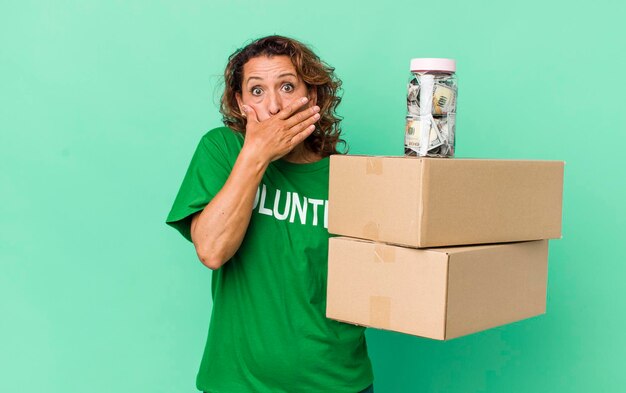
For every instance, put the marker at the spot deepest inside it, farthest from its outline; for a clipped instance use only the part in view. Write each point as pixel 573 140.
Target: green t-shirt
pixel 268 331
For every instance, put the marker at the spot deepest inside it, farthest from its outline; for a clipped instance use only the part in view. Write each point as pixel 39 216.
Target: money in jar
pixel 431 108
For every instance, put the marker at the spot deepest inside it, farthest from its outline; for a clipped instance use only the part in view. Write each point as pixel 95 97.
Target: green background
pixel 103 102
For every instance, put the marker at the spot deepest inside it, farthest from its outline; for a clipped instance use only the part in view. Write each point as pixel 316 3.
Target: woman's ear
pixel 312 95
pixel 240 103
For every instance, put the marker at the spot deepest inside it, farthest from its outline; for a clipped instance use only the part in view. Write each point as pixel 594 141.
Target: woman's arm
pixel 218 230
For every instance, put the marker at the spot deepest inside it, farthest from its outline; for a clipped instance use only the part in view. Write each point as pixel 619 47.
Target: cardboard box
pixel 439 293
pixel 431 202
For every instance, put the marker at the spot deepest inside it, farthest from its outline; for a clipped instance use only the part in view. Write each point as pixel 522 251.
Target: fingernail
pixel 244 108
pixel 316 108
pixel 304 100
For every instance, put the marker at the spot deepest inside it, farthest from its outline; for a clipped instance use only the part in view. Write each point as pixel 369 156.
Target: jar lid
pixel 432 64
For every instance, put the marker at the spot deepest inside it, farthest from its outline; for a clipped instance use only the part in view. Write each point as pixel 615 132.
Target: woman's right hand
pixel 217 231
pixel 275 137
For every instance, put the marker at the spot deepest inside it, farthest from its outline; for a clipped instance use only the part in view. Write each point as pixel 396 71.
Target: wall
pixel 102 105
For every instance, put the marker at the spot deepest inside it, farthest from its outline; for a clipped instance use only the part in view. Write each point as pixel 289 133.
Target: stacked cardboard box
pixel 440 248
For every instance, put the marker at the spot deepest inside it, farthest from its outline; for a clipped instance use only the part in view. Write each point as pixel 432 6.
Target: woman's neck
pixel 301 155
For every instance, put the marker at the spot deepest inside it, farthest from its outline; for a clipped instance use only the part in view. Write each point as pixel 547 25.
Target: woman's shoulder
pixel 223 139
pixel 223 134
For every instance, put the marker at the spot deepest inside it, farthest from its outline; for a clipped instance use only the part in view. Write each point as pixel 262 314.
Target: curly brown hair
pixel 315 73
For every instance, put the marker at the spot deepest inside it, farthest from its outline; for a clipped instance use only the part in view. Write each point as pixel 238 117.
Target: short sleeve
pixel 208 170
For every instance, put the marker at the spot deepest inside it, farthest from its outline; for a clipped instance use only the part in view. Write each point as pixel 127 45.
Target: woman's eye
pixel 288 87
pixel 256 91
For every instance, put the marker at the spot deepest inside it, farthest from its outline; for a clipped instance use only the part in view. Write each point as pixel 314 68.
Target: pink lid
pixel 431 64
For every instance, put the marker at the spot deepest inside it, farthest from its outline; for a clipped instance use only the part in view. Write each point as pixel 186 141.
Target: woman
pixel 254 202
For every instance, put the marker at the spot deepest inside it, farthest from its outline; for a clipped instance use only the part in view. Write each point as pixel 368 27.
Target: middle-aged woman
pixel 254 203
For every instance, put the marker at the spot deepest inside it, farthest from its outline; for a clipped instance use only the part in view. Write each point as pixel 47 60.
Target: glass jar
pixel 431 108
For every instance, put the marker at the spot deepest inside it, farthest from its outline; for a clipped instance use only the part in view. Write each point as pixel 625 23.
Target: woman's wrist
pixel 251 158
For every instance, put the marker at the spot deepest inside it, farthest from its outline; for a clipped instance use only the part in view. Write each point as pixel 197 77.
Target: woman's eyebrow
pixel 253 77
pixel 279 76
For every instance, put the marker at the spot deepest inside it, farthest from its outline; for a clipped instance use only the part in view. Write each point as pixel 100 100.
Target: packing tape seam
pixel 371 231
pixel 373 166
pixel 384 253
pixel 380 311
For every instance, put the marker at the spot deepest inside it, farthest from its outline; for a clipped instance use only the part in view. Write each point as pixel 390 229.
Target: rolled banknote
pixel 412 98
pixel 422 128
pixel 446 125
pixel 438 98
pixel 444 99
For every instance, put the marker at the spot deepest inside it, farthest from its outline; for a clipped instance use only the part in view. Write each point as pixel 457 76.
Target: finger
pixel 302 135
pixel 250 113
pixel 302 116
pixel 291 109
pixel 304 124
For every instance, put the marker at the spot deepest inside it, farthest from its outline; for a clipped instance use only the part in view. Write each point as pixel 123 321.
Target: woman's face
pixel 271 84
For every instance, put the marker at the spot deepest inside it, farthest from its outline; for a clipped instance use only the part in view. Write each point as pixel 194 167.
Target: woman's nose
pixel 275 104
